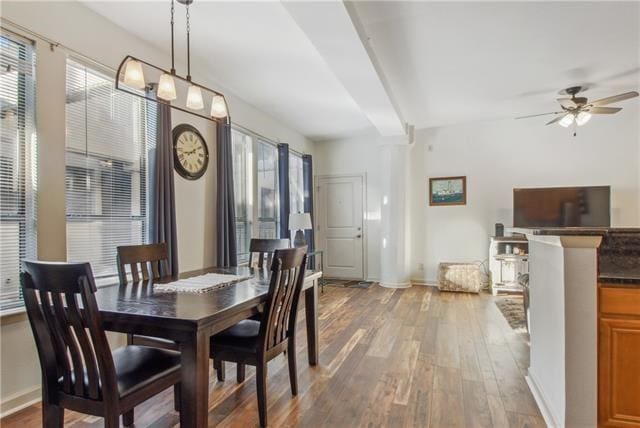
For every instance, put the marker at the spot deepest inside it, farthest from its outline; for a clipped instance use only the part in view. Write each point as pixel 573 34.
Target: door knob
pixel 358 236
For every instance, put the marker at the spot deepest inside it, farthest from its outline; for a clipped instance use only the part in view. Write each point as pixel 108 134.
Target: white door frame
pixel 365 234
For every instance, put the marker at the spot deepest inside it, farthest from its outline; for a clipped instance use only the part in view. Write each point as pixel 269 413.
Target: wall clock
pixel 190 152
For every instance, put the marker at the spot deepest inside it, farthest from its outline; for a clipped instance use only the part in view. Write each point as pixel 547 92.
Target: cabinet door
pixel 619 372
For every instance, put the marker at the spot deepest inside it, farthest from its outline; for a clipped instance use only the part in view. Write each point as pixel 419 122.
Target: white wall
pixel 358 155
pixel 500 155
pixel 86 32
pixel 495 156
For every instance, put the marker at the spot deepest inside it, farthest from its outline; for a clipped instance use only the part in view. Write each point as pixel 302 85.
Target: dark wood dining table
pixel 190 319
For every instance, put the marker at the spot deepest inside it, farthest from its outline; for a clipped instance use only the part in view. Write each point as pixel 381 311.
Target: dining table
pixel 190 319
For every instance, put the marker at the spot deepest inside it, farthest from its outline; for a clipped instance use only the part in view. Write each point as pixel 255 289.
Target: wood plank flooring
pixel 388 358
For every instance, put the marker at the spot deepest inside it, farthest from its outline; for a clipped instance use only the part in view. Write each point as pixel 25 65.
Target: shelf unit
pixel 505 265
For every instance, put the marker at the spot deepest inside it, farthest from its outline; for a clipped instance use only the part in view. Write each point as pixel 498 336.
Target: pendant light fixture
pixel 153 83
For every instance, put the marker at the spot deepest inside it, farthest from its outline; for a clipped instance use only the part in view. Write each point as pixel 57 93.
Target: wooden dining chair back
pixel 265 248
pixel 256 342
pixel 78 368
pixel 134 256
pixel 152 260
pixel 71 343
pixel 285 286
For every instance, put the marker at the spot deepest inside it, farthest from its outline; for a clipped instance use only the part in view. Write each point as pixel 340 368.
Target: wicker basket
pixel 464 277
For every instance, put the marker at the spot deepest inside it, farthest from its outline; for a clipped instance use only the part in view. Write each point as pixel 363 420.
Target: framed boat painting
pixel 448 191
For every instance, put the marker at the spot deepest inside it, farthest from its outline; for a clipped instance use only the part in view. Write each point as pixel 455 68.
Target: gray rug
pixel 512 309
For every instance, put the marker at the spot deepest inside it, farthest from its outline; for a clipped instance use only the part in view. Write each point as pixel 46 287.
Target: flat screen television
pixel 562 207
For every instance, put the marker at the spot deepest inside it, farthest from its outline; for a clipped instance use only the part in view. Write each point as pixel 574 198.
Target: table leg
pixel 194 391
pixel 311 316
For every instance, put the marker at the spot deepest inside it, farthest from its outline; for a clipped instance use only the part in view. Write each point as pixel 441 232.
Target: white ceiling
pixel 452 62
pixel 441 62
pixel 256 50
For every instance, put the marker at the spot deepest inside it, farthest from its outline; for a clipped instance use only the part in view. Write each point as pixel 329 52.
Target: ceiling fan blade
pixel 614 98
pixel 604 110
pixel 541 114
pixel 567 103
pixel 555 119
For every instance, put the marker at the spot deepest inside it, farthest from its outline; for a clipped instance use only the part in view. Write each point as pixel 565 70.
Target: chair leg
pixel 293 372
pixel 261 384
pixel 127 418
pixel 52 416
pixel 219 366
pixel 176 397
pixel 241 373
pixel 112 420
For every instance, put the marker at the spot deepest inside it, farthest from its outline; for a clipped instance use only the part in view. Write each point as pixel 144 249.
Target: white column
pixel 394 257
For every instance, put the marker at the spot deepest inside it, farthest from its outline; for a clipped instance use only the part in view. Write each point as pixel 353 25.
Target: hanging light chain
pixel 188 45
pixel 173 62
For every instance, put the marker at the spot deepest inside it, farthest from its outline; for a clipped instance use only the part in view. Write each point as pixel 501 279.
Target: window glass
pixel 18 181
pixel 109 135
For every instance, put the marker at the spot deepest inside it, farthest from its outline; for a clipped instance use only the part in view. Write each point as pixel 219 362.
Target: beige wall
pixel 80 29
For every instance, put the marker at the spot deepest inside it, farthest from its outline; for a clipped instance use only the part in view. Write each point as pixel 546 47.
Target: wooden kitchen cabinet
pixel 619 356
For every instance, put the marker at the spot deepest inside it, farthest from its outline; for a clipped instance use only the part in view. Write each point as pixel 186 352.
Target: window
pixel 17 165
pixel 109 135
pixel 241 152
pixel 255 178
pixel 267 185
pixel 296 184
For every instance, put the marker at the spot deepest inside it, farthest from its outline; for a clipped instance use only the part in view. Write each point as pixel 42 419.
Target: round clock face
pixel 190 152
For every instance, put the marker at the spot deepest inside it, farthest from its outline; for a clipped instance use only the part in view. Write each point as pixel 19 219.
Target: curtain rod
pixel 262 137
pixel 52 43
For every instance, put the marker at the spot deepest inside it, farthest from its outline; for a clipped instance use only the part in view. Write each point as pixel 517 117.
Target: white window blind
pixel 109 136
pixel 296 184
pixel 17 165
pixel 267 189
pixel 241 152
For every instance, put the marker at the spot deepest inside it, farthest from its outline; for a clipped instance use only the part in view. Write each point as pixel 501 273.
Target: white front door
pixel 339 226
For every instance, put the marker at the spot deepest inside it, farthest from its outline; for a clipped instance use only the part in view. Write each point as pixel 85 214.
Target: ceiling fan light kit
pixel 578 110
pixel 142 79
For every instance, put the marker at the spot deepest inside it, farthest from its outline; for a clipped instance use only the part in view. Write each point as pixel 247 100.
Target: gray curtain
pixel 283 189
pixel 226 221
pixel 307 179
pixel 163 207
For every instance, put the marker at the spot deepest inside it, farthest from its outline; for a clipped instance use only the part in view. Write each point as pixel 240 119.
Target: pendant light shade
pixel 194 98
pixel 583 117
pixel 167 88
pixel 133 75
pixel 566 121
pixel 218 107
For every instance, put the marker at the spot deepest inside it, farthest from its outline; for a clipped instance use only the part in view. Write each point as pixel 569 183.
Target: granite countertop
pixel 630 277
pixel 618 254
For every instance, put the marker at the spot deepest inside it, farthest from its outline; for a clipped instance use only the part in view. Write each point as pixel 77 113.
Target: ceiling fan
pixel 578 110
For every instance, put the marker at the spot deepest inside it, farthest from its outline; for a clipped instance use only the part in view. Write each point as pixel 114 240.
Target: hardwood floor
pixel 388 358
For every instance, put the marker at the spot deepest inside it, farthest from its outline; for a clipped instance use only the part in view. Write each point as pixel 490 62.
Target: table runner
pixel 202 283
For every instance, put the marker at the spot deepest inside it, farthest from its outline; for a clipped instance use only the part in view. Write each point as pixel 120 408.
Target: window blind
pixel 18 152
pixel 296 184
pixel 109 138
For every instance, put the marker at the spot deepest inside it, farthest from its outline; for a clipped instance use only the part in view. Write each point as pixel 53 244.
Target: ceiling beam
pixel 334 33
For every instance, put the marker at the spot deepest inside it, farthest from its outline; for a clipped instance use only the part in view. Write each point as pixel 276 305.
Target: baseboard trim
pixel 21 400
pixel 423 282
pixel 395 285
pixel 539 397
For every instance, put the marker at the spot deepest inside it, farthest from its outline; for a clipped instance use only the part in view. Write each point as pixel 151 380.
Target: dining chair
pixel 145 262
pixel 265 248
pixel 79 370
pixel 257 342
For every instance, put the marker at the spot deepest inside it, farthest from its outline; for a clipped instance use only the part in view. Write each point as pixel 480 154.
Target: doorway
pixel 339 225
